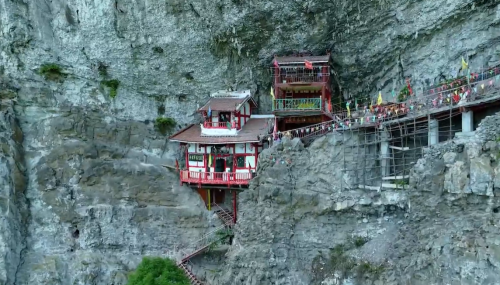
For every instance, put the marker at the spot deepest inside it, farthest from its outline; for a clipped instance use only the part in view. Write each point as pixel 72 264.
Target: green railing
pixel 297 104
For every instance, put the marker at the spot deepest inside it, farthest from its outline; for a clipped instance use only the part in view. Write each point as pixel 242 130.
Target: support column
pixel 384 152
pixel 433 134
pixel 467 122
pixel 234 206
pixel 209 203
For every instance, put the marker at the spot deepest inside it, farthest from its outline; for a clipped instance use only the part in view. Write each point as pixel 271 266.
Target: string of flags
pixel 373 115
pixel 439 96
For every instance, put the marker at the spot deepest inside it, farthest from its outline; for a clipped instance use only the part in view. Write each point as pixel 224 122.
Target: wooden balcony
pixel 301 75
pixel 303 104
pixel 216 178
pixel 219 125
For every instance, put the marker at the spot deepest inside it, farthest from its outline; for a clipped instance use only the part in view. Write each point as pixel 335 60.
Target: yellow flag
pixel 379 100
pixel 348 112
pixel 209 160
pixel 272 92
pixel 464 64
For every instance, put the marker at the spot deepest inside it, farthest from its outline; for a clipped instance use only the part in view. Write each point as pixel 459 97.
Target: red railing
pixel 433 100
pixel 218 125
pixel 229 178
pixel 301 74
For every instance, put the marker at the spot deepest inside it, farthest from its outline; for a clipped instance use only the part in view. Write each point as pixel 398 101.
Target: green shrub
pixel 157 271
pixel 51 71
pixel 403 94
pixel 359 241
pixel 113 85
pixel 164 125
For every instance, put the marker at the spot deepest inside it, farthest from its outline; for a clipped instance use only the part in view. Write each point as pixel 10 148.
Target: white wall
pixel 195 165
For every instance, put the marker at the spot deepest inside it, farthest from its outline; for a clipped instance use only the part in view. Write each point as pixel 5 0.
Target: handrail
pixel 223 176
pixel 365 117
pixel 297 104
pixel 219 125
pixel 200 244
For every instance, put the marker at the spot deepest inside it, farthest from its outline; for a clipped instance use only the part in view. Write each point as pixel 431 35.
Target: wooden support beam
pixel 376 188
pixel 399 148
pixel 396 177
pixel 393 186
pixel 168 166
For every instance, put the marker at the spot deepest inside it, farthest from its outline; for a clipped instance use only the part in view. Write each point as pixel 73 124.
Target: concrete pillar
pixel 467 122
pixel 433 135
pixel 384 152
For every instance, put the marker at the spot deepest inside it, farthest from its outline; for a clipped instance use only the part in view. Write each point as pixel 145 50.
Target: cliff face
pixel 298 225
pixel 84 194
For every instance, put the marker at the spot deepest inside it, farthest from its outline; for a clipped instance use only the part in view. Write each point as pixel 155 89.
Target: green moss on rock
pixel 113 85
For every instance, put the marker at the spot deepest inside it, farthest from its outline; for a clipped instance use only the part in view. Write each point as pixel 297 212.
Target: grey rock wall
pixel 92 162
pixel 13 204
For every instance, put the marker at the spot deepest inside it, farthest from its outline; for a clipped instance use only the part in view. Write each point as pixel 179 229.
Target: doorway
pixel 220 165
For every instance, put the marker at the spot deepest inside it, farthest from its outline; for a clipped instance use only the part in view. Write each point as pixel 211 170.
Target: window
pixel 240 161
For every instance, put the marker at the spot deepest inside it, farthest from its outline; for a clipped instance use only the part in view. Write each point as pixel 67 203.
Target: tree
pixel 157 271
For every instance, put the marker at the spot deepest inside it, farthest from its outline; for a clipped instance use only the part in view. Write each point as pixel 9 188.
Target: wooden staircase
pixel 226 216
pixel 189 274
pixel 205 242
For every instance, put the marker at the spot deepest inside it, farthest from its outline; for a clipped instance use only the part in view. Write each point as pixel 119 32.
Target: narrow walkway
pixel 434 100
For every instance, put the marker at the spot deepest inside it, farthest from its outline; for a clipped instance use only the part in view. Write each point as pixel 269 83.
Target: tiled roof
pixel 249 133
pixel 224 104
pixel 301 59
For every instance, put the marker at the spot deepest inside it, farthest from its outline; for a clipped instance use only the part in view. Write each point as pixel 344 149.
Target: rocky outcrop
pixel 13 205
pixel 295 212
pixel 299 226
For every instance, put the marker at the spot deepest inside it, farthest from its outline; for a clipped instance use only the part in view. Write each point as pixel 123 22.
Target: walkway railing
pixel 229 178
pixel 443 97
pixel 219 125
pixel 303 104
pixel 296 74
pixel 201 245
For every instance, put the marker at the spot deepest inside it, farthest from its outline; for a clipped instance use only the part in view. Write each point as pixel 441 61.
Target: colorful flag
pixel 308 64
pixel 379 99
pixel 409 86
pixel 465 65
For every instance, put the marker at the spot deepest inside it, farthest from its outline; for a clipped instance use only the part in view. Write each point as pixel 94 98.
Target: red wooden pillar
pixel 234 206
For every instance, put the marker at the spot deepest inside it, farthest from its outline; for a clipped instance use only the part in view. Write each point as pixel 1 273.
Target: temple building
pixel 221 153
pixel 301 90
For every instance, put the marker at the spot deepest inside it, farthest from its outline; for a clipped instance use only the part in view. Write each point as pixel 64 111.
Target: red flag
pixel 176 164
pixel 276 64
pixel 409 87
pixel 308 64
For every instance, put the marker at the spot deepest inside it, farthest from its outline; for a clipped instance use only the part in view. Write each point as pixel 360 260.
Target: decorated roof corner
pixel 228 101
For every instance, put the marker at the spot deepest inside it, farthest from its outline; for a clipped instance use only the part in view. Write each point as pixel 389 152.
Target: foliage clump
pixel 348 266
pixel 113 85
pixel 403 94
pixel 51 71
pixel 157 271
pixel 164 125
